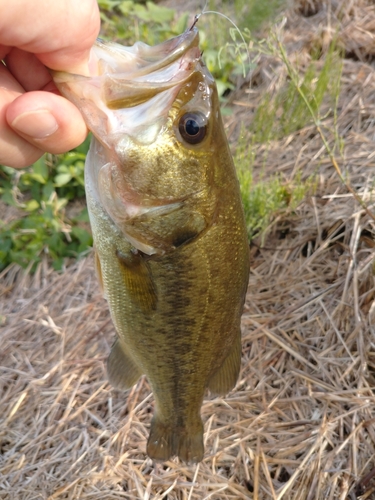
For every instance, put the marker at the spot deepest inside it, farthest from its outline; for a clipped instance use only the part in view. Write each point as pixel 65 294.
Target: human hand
pixel 34 35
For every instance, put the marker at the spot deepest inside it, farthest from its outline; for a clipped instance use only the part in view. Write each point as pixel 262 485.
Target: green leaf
pixel 62 179
pixel 8 170
pixel 60 203
pixel 82 235
pixel 31 206
pixel 8 198
pixel 142 13
pixel 57 264
pixel 160 14
pixel 83 216
pixel 40 168
pixel 108 4
pixel 126 7
pixel 181 24
pixel 48 189
pixel 37 177
pixel 84 147
pixel 62 168
pixel 221 87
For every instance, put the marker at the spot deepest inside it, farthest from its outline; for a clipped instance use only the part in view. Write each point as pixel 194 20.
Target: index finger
pixel 59 33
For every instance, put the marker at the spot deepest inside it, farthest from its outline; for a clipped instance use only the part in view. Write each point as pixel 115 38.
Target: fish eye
pixel 192 127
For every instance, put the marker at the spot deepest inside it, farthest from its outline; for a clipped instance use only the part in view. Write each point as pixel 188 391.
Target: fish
pixel 170 239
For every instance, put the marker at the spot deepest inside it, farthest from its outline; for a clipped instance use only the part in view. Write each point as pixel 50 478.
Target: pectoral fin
pixel 138 281
pixel 122 372
pixel 226 376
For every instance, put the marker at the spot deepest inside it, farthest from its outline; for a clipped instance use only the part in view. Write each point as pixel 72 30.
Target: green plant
pixel 225 37
pixel 129 21
pixel 264 199
pixel 41 195
pixel 288 110
pixel 296 104
pixel 252 14
pixel 224 52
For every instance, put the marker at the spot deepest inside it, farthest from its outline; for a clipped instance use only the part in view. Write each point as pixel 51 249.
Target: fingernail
pixel 38 124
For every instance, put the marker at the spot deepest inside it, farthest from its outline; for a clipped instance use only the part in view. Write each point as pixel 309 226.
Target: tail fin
pixel 166 441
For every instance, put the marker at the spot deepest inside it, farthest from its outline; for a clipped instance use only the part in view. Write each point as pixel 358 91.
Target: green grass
pixel 300 99
pixel 252 14
pixel 266 198
pixel 42 193
pixel 295 105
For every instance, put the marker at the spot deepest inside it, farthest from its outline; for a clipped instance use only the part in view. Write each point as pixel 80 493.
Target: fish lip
pixel 173 49
pixel 128 76
pixel 159 68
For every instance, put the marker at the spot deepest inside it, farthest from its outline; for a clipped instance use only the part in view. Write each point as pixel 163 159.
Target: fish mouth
pixel 131 89
pixel 154 70
pixel 129 76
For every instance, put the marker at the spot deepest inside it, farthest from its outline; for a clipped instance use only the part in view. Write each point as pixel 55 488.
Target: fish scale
pixel 169 231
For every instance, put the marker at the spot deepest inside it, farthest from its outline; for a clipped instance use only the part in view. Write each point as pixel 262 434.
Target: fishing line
pixel 197 17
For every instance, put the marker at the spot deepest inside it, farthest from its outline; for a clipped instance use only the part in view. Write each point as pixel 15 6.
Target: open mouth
pixel 131 87
pixel 128 76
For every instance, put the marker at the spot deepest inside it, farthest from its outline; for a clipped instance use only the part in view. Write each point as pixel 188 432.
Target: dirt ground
pixel 300 423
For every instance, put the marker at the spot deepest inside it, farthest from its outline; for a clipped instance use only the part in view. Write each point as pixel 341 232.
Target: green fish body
pixel 169 231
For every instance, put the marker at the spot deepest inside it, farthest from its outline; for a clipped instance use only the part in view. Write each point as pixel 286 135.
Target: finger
pixel 4 49
pixel 60 33
pixel 47 121
pixel 27 69
pixel 14 150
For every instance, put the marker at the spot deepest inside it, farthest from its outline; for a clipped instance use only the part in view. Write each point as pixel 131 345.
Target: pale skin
pixel 36 35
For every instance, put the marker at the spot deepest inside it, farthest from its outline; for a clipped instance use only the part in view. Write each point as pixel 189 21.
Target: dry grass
pixel 300 423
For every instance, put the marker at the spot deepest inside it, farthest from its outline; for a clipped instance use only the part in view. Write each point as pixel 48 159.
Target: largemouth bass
pixel 168 226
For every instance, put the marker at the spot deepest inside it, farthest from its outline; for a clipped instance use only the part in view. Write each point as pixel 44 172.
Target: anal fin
pixel 122 372
pixel 225 378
